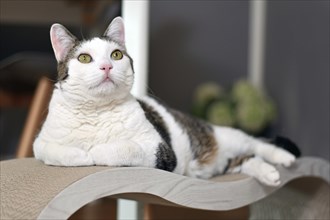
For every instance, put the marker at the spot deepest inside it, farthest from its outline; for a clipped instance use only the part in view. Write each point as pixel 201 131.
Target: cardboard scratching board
pixel 32 190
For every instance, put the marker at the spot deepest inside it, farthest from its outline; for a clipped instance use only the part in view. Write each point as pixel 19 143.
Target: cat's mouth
pixel 105 82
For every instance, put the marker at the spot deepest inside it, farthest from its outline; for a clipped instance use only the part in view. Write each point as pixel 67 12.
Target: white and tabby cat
pixel 94 120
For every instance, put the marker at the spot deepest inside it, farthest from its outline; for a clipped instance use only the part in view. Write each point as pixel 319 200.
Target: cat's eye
pixel 117 55
pixel 84 58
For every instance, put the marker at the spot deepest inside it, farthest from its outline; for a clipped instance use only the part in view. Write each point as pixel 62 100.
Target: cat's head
pixel 97 68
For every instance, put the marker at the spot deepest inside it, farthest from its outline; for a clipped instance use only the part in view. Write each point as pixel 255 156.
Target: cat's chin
pixel 108 91
pixel 104 89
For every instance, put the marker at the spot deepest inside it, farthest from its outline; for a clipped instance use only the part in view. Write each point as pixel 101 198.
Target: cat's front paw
pixel 283 157
pixel 68 156
pixel 83 159
pixel 118 153
pixel 104 155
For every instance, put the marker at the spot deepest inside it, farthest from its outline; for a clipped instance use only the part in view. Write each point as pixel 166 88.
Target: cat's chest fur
pixel 90 124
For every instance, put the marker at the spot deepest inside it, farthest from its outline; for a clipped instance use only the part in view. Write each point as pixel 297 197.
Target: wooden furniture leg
pixel 160 212
pixel 104 208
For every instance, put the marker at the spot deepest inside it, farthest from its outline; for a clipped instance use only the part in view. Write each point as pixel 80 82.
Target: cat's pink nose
pixel 106 67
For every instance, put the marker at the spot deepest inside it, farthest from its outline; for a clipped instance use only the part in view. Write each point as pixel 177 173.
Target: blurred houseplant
pixel 243 106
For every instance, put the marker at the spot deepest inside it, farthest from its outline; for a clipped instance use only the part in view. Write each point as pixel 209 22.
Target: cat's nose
pixel 106 67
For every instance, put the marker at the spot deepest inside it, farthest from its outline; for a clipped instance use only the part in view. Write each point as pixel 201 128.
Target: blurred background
pixel 199 62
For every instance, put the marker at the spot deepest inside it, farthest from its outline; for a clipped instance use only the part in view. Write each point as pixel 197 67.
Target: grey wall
pixel 196 41
pixel 297 71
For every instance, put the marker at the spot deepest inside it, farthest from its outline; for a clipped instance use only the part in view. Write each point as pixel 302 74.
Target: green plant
pixel 243 106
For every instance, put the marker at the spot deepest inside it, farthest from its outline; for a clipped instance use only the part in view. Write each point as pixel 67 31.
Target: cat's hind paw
pixel 282 157
pixel 269 175
pixel 262 171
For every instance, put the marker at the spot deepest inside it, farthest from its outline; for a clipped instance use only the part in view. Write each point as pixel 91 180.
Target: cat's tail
pixel 287 145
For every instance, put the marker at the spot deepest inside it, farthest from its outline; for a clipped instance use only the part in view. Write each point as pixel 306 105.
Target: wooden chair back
pixel 37 113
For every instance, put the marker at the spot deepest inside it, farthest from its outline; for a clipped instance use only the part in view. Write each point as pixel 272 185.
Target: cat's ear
pixel 116 31
pixel 62 41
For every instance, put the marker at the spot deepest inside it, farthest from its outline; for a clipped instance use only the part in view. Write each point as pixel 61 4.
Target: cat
pixel 94 120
